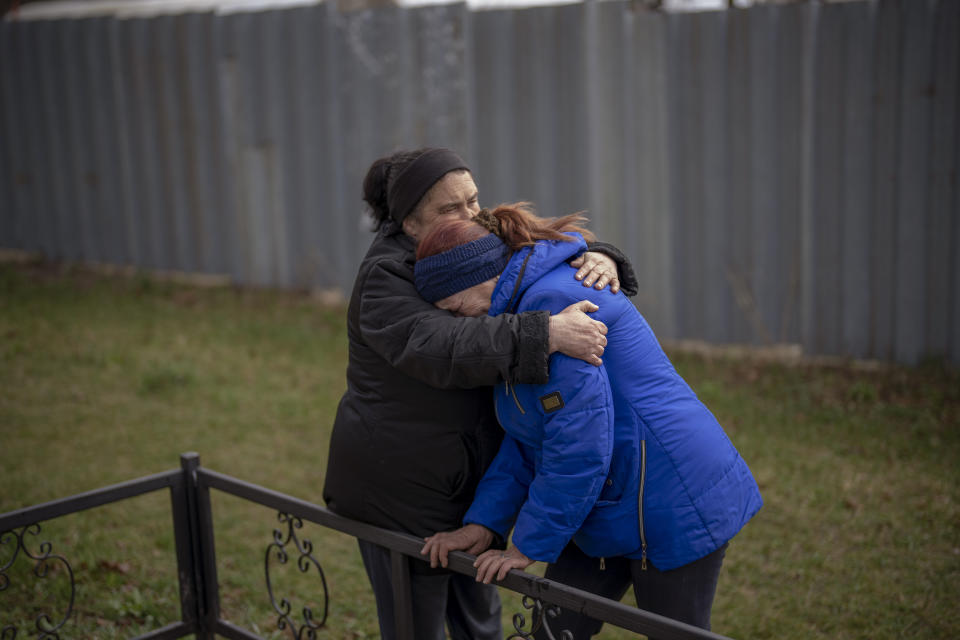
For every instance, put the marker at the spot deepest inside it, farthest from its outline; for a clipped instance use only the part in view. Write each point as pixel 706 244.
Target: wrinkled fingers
pixel 431 549
pixel 487 564
pixel 603 280
pixel 438 547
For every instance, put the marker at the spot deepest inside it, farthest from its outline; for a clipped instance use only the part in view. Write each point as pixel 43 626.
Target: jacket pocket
pixel 611 494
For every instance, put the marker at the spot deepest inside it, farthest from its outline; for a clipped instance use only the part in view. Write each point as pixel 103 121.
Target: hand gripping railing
pixel 190 488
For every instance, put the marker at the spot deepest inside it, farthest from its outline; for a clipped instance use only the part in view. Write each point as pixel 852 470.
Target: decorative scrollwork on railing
pixel 8 537
pixel 44 559
pixel 277 549
pixel 539 620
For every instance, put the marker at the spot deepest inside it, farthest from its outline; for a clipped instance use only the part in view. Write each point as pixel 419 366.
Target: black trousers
pixel 685 593
pixel 470 609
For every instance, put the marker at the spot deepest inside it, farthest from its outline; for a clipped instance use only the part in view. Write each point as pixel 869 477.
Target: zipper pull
pixel 516 401
pixel 643 559
pixel 603 564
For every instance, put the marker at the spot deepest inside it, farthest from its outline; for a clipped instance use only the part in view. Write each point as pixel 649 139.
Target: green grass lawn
pixel 108 379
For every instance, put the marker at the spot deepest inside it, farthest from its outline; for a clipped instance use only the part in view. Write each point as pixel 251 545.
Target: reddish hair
pixel 448 234
pixel 516 224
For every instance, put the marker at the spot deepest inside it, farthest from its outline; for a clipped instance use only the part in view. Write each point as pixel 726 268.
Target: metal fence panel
pixel 12 232
pixel 649 244
pixel 685 122
pixel 790 160
pixel 886 134
pixel 915 138
pixel 720 58
pixel 776 174
pixel 770 126
pixel 857 97
pixel 45 134
pixel 827 178
pixel 942 274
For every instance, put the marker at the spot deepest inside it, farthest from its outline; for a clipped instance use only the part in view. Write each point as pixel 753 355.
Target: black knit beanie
pixel 417 178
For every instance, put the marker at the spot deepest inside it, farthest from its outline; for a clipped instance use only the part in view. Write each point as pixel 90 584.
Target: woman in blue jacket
pixel 615 475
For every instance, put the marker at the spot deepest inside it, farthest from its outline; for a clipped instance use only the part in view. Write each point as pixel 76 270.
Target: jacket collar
pixel 529 265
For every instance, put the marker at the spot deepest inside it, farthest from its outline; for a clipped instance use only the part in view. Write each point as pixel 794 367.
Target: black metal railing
pixel 190 488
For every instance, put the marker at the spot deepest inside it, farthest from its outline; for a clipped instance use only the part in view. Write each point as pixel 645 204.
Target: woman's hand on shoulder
pixel 597 270
pixel 472 538
pixel 499 563
pixel 573 333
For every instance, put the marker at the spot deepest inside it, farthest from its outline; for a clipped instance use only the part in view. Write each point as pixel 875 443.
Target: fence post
pixel 186 560
pixel 198 558
pixel 402 596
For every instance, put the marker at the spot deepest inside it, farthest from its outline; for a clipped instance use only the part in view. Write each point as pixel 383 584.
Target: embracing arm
pixel 437 348
pixel 449 352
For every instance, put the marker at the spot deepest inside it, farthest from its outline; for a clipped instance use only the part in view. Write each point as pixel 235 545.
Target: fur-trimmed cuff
pixel 628 278
pixel 533 353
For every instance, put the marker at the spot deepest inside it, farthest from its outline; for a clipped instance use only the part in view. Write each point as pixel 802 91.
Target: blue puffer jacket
pixel 623 459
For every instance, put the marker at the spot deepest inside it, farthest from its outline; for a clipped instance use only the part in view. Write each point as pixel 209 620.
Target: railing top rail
pixel 622 615
pixel 88 500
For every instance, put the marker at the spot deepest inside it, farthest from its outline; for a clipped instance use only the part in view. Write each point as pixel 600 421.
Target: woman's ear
pixel 411 226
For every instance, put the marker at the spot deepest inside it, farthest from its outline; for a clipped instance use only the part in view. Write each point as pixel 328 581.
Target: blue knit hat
pixel 447 273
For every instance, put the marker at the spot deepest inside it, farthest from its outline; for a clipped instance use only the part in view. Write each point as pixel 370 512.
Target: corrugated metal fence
pixel 777 174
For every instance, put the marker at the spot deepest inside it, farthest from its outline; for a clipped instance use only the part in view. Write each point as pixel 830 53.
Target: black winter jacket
pixel 416 429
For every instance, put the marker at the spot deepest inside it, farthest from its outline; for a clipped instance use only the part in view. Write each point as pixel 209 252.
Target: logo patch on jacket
pixel 551 402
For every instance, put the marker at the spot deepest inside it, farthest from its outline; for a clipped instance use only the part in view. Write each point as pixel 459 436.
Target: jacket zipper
pixel 511 307
pixel 643 480
pixel 511 390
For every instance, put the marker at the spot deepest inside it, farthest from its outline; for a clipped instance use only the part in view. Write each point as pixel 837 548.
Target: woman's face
pixel 472 302
pixel 454 195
